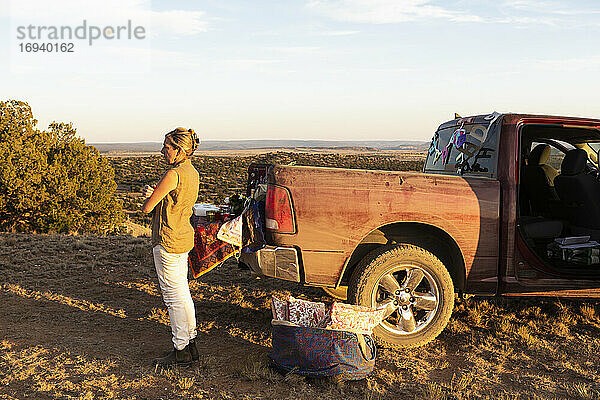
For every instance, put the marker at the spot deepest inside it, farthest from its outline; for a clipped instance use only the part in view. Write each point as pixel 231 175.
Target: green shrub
pixel 50 181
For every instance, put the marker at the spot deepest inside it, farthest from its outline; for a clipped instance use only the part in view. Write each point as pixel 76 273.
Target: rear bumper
pixel 277 262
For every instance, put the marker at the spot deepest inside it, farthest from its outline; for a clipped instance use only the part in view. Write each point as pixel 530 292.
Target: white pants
pixel 172 270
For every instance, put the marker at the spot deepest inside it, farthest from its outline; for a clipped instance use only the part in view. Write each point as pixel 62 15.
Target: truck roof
pixel 515 117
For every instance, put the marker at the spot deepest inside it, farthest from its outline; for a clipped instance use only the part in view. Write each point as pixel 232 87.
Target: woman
pixel 171 203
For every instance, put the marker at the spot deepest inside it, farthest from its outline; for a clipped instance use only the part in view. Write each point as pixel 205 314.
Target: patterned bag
pixel 321 352
pixel 307 313
pixel 353 318
pixel 279 309
pixel 300 312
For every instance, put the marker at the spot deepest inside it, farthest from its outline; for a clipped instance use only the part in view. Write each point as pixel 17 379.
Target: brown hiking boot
pixel 174 358
pixel 193 350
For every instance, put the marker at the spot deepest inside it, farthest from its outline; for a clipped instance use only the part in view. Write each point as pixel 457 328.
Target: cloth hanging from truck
pixel 231 232
pixel 208 251
pixel 216 242
pixel 253 238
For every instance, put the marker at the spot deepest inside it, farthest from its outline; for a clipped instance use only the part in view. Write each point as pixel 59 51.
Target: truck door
pixel 545 215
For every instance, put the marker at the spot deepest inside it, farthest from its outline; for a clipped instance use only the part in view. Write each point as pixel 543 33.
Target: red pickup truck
pixel 506 204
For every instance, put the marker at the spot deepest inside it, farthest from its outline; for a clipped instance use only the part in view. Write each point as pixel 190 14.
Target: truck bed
pixel 335 209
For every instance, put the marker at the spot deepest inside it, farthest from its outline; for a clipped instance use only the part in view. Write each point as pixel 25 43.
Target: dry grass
pixel 582 391
pixel 80 304
pixel 60 374
pixel 82 318
pixel 257 368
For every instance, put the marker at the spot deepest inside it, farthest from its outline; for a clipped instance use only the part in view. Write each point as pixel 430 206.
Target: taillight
pixel 278 210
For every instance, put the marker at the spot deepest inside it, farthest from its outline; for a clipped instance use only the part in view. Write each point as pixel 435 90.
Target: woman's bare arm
pixel 168 183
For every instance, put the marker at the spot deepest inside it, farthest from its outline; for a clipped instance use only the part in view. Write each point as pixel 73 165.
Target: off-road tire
pixel 385 259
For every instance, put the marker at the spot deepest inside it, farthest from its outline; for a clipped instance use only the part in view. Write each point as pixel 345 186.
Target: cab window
pixel 464 149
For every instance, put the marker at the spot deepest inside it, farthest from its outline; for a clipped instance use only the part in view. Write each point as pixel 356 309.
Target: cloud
pixel 387 11
pixel 180 22
pixel 339 33
pixel 243 63
pixel 351 71
pixel 570 64
pixel 156 58
pixel 529 5
pixel 521 12
pixel 293 49
pixel 519 21
pixel 547 8
pixel 524 13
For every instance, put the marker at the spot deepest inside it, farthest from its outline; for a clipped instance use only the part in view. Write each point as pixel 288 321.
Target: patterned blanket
pixel 208 251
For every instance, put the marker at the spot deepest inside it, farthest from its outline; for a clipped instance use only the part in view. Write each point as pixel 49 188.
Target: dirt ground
pixel 81 317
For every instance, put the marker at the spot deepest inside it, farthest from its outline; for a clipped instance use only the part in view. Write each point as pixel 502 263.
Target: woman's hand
pixel 148 190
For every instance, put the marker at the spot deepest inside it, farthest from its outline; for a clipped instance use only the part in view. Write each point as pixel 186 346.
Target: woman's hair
pixel 184 139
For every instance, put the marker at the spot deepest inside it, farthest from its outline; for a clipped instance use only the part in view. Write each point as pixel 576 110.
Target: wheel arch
pixel 429 237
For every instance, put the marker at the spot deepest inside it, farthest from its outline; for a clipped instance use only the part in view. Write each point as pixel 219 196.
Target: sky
pixel 301 69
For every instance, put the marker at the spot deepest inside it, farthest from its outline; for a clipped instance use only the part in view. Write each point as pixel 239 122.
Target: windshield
pixel 595 146
pixel 591 148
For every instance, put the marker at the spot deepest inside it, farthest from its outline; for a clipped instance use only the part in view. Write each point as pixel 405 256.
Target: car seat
pixel 537 183
pixel 579 191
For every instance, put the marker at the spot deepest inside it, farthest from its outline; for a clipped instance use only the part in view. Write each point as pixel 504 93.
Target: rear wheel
pixel 413 285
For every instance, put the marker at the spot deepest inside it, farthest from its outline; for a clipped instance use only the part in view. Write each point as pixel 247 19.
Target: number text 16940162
pixel 46 47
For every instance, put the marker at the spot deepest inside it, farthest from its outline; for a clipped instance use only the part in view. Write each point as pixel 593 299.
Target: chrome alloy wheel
pixel 411 297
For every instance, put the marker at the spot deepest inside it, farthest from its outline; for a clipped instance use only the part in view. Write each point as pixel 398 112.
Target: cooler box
pixel 586 253
pixel 200 209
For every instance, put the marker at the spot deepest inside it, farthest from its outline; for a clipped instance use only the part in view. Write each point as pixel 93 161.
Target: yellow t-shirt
pixel 171 226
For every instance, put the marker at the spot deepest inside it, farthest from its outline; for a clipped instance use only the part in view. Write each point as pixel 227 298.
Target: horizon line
pixel 276 140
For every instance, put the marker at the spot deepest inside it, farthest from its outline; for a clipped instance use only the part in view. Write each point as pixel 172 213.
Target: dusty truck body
pixel 479 219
